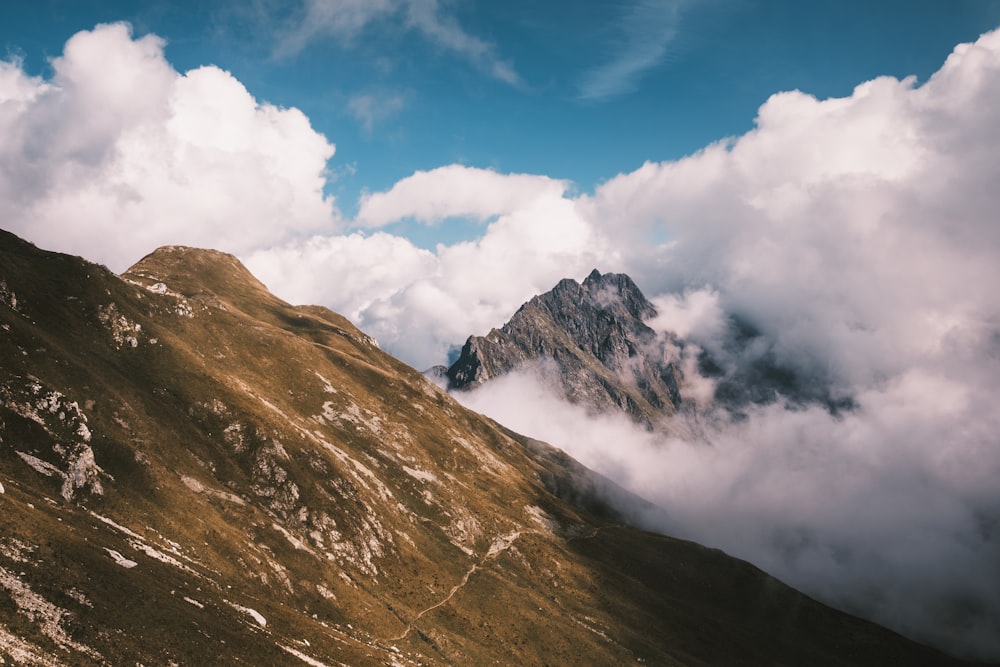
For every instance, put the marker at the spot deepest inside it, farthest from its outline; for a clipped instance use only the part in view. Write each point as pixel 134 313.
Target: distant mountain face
pixel 591 340
pixel 195 472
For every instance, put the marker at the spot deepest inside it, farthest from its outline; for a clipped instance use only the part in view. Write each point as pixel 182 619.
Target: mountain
pixel 591 341
pixel 193 471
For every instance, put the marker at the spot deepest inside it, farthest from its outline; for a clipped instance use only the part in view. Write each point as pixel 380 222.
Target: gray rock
pixel 591 341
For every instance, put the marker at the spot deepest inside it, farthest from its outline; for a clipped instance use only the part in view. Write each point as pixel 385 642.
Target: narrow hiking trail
pixel 499 545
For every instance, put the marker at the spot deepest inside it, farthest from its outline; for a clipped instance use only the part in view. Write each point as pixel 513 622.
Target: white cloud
pixel 693 314
pixel 418 303
pixel 348 273
pixel 852 229
pixel 345 20
pixel 646 27
pixel 887 511
pixel 119 153
pixel 457 191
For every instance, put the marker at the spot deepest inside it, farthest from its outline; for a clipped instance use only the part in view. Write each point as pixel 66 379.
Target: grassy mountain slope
pixel 195 472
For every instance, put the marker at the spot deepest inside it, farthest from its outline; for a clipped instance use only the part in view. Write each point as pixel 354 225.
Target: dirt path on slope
pixel 499 546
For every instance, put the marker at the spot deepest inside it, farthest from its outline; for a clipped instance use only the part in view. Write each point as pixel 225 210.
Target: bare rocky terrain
pixel 590 340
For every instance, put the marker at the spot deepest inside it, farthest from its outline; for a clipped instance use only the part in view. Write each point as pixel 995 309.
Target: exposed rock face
pixel 193 471
pixel 591 340
pixel 58 439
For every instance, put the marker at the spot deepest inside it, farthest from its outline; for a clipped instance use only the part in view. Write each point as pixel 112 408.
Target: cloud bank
pixel 118 153
pixel 457 191
pixel 889 511
pixel 858 236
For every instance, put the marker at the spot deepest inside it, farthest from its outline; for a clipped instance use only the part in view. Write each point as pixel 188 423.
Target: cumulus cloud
pixel 119 153
pixel 419 304
pixel 345 20
pixel 350 273
pixel 854 230
pixel 646 29
pixel 457 191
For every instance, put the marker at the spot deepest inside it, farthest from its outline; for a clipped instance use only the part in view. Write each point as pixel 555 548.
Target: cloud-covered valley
pixel 858 236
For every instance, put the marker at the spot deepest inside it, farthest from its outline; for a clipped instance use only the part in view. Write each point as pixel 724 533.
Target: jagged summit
pixel 588 337
pixel 620 288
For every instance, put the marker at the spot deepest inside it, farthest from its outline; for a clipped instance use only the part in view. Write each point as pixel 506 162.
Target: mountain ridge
pixel 184 455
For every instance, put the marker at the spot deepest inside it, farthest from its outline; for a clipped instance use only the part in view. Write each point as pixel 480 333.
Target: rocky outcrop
pixel 52 435
pixel 591 340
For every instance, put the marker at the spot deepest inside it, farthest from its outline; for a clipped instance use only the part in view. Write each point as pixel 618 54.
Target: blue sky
pixel 596 88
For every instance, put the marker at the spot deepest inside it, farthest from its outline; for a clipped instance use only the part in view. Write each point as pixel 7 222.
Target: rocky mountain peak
pixel 589 338
pixel 618 287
